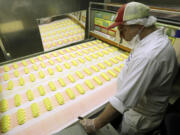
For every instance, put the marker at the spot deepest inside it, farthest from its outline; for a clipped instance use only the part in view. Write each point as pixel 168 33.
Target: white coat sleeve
pixel 133 82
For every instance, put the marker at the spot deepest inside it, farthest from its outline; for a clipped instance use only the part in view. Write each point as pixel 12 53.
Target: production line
pixel 60 33
pixel 72 76
pixel 36 89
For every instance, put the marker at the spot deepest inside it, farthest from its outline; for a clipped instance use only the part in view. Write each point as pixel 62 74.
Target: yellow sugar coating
pixel 94 56
pixel 80 89
pixel 121 65
pixel 51 62
pixel 61 52
pixel 70 33
pixel 85 51
pixel 21 81
pixel 60 36
pixel 124 55
pixel 101 66
pixel 6 68
pixel 54 54
pixel 70 93
pixel 89 84
pixel 17 100
pixel 61 81
pixel 47 56
pixel 79 53
pixel 30 95
pixel 106 45
pixel 108 63
pixel 71 78
pixel 105 76
pixel 81 60
pixel 50 71
pixel 91 49
pixel 119 58
pixel 4 105
pixel 41 90
pixel 74 63
pixel 21 116
pixel 59 98
pixel 117 69
pixel 42 65
pixel 24 63
pixel 73 48
pixel 87 71
pixel 111 50
pixel 112 73
pixel 65 34
pixel 35 67
pixel 93 42
pixel 113 60
pixel 41 74
pixel 48 104
pixel 63 31
pixel 96 48
pixel 52 86
pixel 60 42
pixel 67 66
pixel 16 73
pixel 84 45
pixel 105 52
pixel 70 39
pixel 40 58
pixel 101 46
pixel 75 37
pixel 32 77
pixel 66 57
pixel 97 80
pixel 15 65
pixel 6 76
pixel 35 110
pixel 79 74
pixel 65 41
pixel 54 44
pixel 0 88
pixel 100 54
pixel 68 50
pixel 10 85
pixel 94 68
pixel 98 41
pixel 59 59
pixel 5 123
pixel 90 43
pixel 26 70
pixel 73 55
pixel 59 69
pixel 32 60
pixel 48 46
pixel 88 58
pixel 79 47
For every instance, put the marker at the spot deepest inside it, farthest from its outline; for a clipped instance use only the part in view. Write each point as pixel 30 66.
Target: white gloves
pixel 88 125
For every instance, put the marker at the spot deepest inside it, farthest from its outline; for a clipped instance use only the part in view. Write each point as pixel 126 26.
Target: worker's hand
pixel 88 125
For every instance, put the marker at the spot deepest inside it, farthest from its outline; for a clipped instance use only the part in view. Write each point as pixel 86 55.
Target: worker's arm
pixel 108 114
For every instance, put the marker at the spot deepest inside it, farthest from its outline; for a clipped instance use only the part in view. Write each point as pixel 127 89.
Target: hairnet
pixel 146 22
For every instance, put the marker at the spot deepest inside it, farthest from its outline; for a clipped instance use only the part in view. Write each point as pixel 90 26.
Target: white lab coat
pixel 144 84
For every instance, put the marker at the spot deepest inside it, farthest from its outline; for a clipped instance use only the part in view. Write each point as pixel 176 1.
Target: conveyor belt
pixel 60 33
pixel 46 93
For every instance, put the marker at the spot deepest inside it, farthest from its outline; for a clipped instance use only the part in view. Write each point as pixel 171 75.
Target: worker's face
pixel 127 32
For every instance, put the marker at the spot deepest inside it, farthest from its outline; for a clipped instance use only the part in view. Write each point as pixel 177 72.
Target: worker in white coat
pixel 144 83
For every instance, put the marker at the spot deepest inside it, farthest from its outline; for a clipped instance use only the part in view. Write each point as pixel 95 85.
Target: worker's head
pixel 131 19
